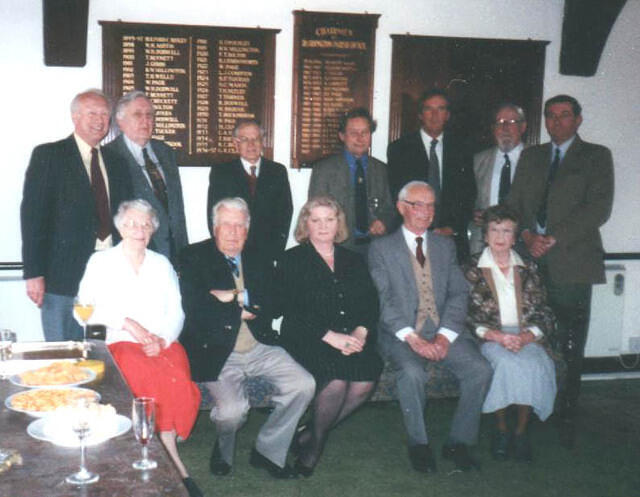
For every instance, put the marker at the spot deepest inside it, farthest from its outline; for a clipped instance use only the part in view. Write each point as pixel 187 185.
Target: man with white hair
pixel 227 298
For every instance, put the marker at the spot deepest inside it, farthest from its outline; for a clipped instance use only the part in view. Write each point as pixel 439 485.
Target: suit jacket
pixel 58 215
pixel 271 207
pixel 392 272
pixel 409 160
pixel 580 200
pixel 331 176
pixel 211 327
pixel 173 228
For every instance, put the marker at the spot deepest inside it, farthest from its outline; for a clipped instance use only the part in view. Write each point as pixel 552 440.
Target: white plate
pixel 39 414
pixel 38 429
pixel 15 379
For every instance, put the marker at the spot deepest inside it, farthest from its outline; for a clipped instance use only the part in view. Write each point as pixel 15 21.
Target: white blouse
pixel 151 297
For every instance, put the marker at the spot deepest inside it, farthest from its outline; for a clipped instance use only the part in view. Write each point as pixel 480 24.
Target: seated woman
pixel 330 310
pixel 508 312
pixel 136 295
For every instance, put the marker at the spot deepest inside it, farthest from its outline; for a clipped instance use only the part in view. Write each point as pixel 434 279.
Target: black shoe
pixel 192 488
pixel 303 469
pixel 217 465
pixel 296 446
pixel 522 448
pixel 500 445
pixel 459 454
pixel 257 460
pixel 422 459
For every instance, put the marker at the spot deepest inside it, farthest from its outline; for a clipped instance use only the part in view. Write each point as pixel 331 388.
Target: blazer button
pixel 205 345
pixel 227 327
pixel 342 313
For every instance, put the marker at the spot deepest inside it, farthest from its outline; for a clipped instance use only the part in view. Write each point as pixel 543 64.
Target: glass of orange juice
pixel 83 308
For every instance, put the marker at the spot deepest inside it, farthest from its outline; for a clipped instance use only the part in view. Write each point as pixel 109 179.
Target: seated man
pixel 228 338
pixel 423 305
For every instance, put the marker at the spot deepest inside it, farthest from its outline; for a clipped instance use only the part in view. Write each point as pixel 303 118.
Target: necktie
pixel 505 179
pixel 100 196
pixel 233 265
pixel 434 169
pixel 362 213
pixel 553 168
pixel 419 252
pixel 157 183
pixel 252 181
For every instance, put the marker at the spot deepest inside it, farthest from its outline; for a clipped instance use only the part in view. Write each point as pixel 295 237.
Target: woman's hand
pixel 347 344
pixel 508 340
pixel 137 331
pixel 154 347
pixel 360 332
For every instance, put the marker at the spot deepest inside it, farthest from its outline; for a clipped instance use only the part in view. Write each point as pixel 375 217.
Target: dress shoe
pixel 459 454
pixel 422 459
pixel 257 460
pixel 192 488
pixel 296 446
pixel 217 465
pixel 500 445
pixel 303 469
pixel 522 448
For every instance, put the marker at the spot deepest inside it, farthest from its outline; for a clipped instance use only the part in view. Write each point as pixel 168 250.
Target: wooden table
pixel 45 465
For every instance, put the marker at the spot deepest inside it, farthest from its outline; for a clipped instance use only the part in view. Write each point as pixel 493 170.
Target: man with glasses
pixel 495 167
pixel 262 183
pixel 563 192
pixel 423 306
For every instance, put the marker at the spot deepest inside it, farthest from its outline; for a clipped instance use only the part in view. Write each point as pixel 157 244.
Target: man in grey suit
pixel 153 170
pixel 563 192
pixel 495 167
pixel 423 305
pixel 357 181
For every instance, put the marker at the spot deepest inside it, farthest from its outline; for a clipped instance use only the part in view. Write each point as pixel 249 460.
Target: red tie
pixel 252 181
pixel 419 252
pixel 100 196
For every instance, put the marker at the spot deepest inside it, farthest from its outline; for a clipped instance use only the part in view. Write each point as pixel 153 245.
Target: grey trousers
pixel 58 323
pixel 294 390
pixel 474 375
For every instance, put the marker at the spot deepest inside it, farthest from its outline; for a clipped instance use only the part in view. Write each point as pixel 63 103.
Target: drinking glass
pixel 144 420
pixel 7 337
pixel 83 308
pixel 80 424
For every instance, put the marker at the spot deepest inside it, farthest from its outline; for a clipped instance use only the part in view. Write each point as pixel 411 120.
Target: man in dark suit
pixel 357 181
pixel 72 189
pixel 495 167
pixel 444 161
pixel 563 192
pixel 226 295
pixel 262 183
pixel 423 306
pixel 153 170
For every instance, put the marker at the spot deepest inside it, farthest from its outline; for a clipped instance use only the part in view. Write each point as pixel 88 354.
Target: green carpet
pixel 366 456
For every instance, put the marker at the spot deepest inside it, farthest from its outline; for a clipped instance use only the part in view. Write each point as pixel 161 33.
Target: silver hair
pixel 515 108
pixel 127 98
pixel 75 103
pixel 242 122
pixel 230 203
pixel 402 194
pixel 140 205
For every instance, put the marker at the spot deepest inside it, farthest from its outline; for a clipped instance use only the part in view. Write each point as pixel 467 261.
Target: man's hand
pixel 246 315
pixel 224 296
pixel 477 217
pixel 35 289
pixel 377 228
pixel 424 348
pixel 441 343
pixel 538 245
pixel 445 231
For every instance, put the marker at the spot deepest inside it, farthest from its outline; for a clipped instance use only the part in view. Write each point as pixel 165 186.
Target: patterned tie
pixel 362 213
pixel 553 169
pixel 157 183
pixel 419 252
pixel 253 179
pixel 100 196
pixel 434 169
pixel 233 265
pixel 505 180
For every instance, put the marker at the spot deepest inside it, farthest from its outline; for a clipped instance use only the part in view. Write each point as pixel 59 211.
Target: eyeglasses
pixel 131 224
pixel 420 205
pixel 506 122
pixel 245 140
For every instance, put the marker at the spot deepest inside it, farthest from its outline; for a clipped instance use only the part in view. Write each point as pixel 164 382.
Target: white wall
pixel 36 97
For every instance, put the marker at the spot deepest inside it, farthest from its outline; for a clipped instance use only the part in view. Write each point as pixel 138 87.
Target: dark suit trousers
pixel 466 363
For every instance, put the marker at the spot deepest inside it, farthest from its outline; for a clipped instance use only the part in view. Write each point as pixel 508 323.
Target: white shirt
pixel 151 297
pixel 247 166
pixel 410 239
pixel 506 290
pixel 426 140
pixel 514 156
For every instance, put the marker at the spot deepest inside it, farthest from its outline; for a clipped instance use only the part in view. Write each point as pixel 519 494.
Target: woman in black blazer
pixel 330 309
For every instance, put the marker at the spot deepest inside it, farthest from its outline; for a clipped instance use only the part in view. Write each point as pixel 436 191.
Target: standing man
pixel 262 183
pixel 433 155
pixel 153 170
pixel 72 189
pixel 357 181
pixel 423 306
pixel 563 191
pixel 227 297
pixel 495 167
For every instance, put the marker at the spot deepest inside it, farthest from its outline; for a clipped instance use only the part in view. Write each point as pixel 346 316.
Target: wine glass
pixel 144 420
pixel 83 308
pixel 80 424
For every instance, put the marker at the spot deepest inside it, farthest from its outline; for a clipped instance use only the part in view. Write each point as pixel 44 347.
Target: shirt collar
pixel 247 165
pixel 487 260
pixel 410 239
pixel 563 148
pixel 84 147
pixel 427 139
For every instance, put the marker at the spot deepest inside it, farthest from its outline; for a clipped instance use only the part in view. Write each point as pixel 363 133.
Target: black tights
pixel 332 404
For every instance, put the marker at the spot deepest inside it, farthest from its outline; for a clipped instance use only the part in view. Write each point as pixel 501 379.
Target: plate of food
pixel 104 423
pixel 40 402
pixel 58 374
